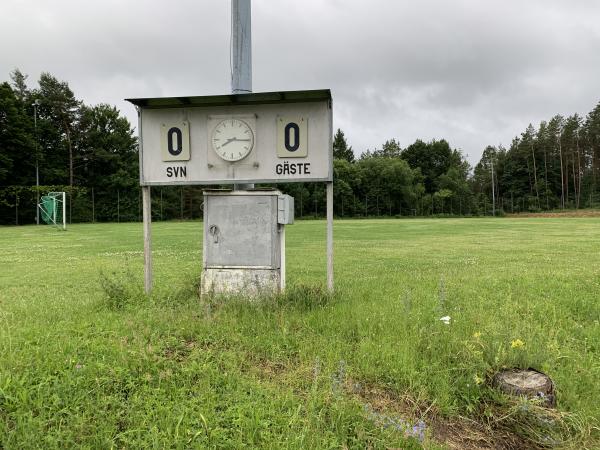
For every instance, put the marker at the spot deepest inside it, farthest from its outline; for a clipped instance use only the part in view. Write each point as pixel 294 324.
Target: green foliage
pixel 93 148
pixel 434 159
pixel 305 297
pixel 341 149
pixel 16 141
pixel 120 288
pixel 554 166
pixel 382 183
pixel 73 144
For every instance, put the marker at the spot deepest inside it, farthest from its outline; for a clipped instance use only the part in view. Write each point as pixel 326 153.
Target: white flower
pixel 445 319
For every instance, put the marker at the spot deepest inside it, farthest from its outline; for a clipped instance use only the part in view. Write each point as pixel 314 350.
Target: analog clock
pixel 232 139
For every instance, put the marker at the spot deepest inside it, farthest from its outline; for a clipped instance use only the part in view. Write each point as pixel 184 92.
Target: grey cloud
pixel 474 72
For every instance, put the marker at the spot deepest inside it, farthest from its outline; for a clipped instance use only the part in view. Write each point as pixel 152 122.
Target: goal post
pixel 52 209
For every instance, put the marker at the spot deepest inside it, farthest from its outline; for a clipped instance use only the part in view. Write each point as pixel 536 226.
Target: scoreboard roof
pixel 258 98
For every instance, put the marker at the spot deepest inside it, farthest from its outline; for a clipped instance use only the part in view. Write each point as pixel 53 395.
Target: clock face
pixel 232 139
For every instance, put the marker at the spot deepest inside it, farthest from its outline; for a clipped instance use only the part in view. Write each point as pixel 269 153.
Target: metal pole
pixel 493 192
pixel 282 268
pixel 241 47
pixel 330 236
pixel 146 207
pixel 37 166
pixel 64 199
pixel 241 56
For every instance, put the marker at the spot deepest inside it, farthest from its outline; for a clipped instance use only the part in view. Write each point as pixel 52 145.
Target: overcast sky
pixel 474 72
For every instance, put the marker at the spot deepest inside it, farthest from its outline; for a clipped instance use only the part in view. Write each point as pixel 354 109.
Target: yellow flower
pixel 477 334
pixel 517 343
pixel 478 380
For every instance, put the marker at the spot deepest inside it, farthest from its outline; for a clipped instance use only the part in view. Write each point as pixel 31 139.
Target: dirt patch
pixel 554 214
pixel 269 369
pixel 388 407
pixel 456 433
pixel 181 351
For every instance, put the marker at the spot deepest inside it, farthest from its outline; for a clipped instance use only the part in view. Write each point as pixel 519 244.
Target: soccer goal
pixel 52 209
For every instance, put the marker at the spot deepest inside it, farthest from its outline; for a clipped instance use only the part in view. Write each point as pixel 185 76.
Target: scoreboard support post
pixel 330 236
pixel 147 217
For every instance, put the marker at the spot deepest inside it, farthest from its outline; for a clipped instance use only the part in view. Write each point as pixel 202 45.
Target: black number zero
pixel 289 128
pixel 177 147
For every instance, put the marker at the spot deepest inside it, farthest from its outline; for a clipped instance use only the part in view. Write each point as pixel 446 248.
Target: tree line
pixel 50 138
pixel 553 166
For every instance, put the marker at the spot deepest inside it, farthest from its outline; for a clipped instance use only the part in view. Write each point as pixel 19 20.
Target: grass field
pixel 86 360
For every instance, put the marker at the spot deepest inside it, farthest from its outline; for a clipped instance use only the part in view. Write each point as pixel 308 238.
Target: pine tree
pixel 59 102
pixel 341 150
pixel 16 141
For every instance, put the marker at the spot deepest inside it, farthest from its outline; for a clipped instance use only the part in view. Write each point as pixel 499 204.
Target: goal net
pixel 52 209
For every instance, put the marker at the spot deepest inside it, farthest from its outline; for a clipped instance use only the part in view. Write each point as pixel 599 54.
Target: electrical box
pixel 243 241
pixel 285 210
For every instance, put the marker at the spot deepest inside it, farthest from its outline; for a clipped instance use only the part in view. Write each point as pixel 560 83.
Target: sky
pixel 473 72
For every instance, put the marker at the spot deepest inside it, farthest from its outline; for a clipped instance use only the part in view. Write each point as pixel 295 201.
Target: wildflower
pixel 478 380
pixel 408 429
pixel 339 377
pixel 517 343
pixel 445 319
pixel 477 334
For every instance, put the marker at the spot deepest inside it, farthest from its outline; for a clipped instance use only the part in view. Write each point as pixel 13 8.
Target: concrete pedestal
pixel 244 282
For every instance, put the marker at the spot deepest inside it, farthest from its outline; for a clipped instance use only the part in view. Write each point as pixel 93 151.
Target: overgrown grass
pixel 86 359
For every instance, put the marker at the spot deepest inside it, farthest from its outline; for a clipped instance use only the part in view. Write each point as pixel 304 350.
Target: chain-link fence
pixel 18 204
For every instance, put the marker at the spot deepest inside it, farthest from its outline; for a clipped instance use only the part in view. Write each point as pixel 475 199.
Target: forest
pixel 51 139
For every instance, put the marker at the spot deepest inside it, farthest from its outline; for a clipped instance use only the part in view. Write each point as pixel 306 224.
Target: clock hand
pixel 234 139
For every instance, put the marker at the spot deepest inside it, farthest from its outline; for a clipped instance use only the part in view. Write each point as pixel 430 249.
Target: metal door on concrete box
pixel 242 230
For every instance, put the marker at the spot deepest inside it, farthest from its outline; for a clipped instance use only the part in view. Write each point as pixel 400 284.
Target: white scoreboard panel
pixel 248 138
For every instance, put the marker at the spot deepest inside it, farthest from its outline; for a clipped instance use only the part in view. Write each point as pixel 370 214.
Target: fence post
pixel 93 207
pixel 118 206
pixel 17 208
pixel 181 202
